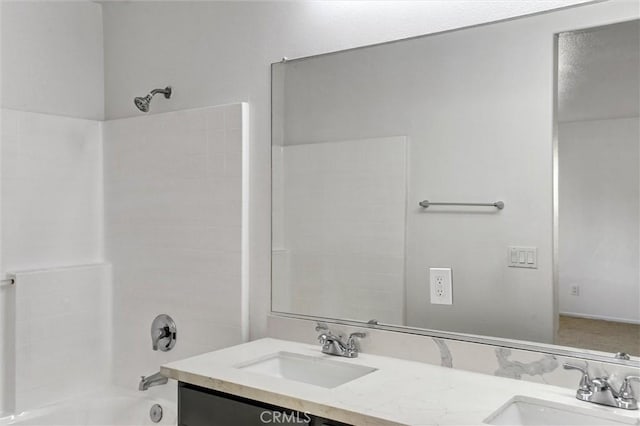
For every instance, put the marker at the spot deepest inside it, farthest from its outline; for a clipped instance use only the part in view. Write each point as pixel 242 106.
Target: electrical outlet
pixel 575 290
pixel 441 286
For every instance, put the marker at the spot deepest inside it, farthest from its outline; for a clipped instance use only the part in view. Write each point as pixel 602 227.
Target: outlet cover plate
pixel 441 286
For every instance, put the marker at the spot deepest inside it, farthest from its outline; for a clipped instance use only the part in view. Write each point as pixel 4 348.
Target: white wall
pixel 599 181
pixel 599 223
pixel 219 52
pixel 52 57
pixel 173 217
pixel 598 72
pixel 343 239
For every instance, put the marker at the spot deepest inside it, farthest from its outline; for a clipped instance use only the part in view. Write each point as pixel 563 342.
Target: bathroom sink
pixel 306 369
pixel 522 410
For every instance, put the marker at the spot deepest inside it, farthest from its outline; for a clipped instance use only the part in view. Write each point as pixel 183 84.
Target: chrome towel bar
pixel 8 281
pixel 498 204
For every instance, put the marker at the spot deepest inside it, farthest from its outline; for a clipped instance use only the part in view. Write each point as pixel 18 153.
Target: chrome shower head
pixel 143 102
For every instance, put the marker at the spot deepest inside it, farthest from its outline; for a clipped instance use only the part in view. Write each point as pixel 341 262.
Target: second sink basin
pixel 522 410
pixel 306 369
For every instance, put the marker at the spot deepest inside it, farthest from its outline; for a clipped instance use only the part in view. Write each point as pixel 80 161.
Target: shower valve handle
pixel 163 333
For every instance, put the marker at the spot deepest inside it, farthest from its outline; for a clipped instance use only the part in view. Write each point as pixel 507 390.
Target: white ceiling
pixel 599 73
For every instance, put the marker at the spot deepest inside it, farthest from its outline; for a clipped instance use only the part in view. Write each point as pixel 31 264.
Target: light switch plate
pixel 522 257
pixel 441 286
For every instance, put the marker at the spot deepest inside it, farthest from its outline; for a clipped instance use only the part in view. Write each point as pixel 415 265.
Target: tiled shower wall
pixel 51 191
pixel 62 340
pixel 174 185
pixel 173 194
pixel 51 218
pixel 339 228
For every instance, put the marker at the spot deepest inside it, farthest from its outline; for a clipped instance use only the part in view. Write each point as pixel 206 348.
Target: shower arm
pixel 166 92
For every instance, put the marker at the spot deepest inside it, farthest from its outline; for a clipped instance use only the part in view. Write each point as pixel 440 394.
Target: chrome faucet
pixel 335 345
pixel 600 391
pixel 152 380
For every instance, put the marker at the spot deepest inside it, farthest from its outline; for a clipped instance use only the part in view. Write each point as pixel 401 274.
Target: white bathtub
pixel 116 407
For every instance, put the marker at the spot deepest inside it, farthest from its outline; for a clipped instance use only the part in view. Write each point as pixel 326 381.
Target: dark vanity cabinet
pixel 199 406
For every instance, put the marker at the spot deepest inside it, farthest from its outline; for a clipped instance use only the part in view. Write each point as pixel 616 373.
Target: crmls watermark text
pixel 277 417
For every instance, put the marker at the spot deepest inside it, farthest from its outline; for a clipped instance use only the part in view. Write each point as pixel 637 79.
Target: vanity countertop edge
pixel 399 392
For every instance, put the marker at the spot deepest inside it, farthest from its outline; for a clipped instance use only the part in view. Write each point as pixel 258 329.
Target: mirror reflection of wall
pixel 361 136
pixel 344 242
pixel 465 142
pixel 599 188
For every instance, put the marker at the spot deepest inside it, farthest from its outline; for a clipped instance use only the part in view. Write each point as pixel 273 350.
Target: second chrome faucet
pixel 599 390
pixel 337 345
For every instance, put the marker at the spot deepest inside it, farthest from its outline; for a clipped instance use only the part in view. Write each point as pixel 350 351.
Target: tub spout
pixel 152 380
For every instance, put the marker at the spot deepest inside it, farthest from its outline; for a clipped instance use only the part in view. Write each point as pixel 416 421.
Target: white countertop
pixel 399 393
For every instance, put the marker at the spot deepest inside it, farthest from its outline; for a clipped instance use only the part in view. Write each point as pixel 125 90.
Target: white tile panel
pixel 174 200
pixel 62 342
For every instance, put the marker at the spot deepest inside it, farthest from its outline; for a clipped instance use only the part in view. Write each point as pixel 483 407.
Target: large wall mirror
pixel 528 127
